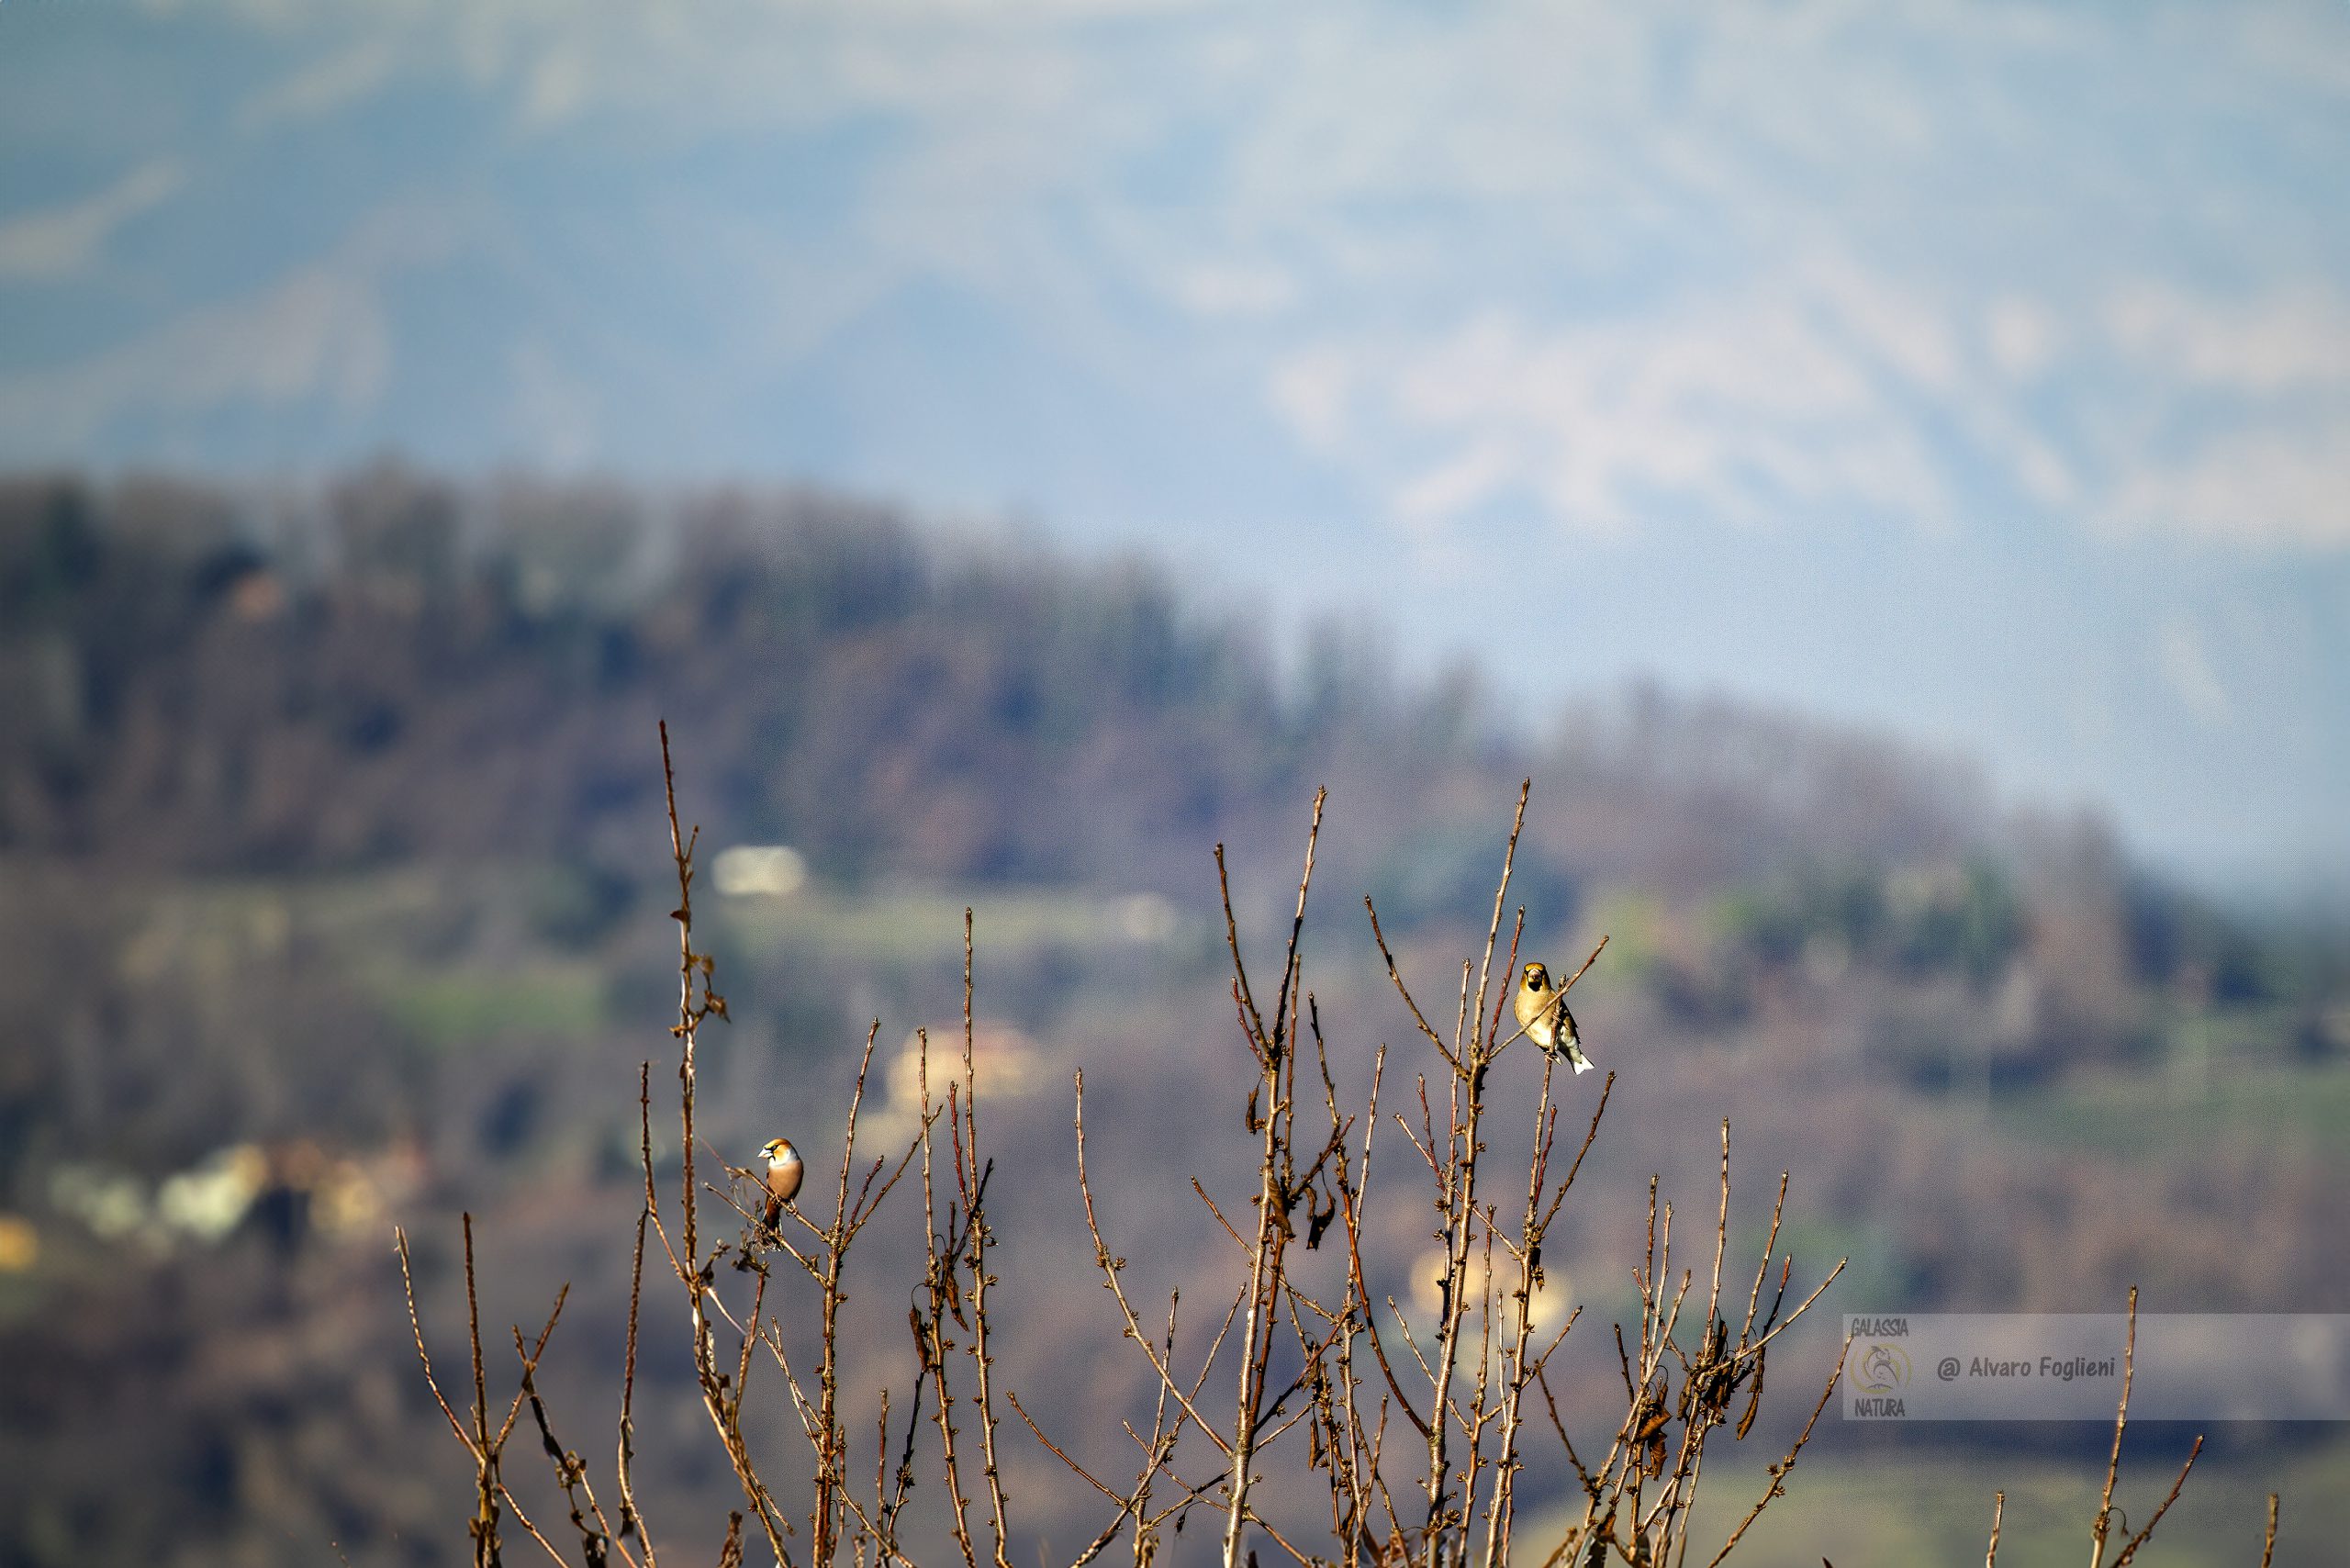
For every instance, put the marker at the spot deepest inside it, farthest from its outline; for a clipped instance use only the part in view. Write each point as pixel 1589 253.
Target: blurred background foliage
pixel 332 895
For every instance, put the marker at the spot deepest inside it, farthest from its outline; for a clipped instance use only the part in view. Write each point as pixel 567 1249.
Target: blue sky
pixel 1979 370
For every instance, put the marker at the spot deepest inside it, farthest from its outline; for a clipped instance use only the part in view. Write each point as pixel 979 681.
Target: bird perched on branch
pixel 1543 1011
pixel 785 1172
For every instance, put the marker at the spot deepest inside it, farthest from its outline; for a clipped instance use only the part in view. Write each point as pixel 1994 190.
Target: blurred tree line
pixel 393 667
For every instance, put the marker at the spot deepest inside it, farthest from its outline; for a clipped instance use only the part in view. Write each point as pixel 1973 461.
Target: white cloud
pixel 62 240
pixel 1312 391
pixel 1754 408
pixel 324 86
pixel 321 331
pixel 311 335
pixel 1233 289
pixel 2022 337
pixel 1458 485
pixel 2187 670
pixel 2267 465
pixel 2283 487
pixel 1829 390
pixel 555 412
pixel 2290 339
pixel 557 88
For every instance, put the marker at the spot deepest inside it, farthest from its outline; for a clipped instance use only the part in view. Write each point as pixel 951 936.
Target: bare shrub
pixel 1419 1429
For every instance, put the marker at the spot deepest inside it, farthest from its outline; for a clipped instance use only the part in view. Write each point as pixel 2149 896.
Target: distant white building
pixel 760 870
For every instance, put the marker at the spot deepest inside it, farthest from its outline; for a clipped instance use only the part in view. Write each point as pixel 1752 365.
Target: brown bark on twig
pixel 1297 1361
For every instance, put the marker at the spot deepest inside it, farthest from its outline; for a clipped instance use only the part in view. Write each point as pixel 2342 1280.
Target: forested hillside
pixel 207 680
pixel 332 883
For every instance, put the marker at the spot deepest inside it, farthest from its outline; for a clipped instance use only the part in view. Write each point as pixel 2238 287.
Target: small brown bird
pixel 1543 1013
pixel 785 1173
